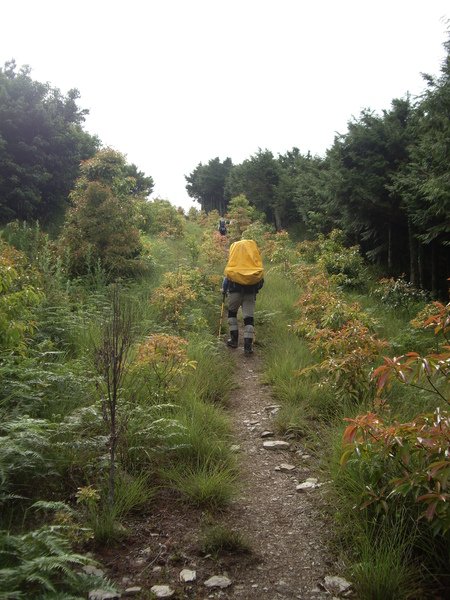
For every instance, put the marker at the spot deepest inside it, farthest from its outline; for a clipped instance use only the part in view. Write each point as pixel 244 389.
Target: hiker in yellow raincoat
pixel 243 279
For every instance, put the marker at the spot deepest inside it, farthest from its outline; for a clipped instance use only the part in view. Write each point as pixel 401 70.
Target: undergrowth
pixel 387 555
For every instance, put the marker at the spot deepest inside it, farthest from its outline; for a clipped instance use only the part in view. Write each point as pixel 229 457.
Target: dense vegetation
pixel 380 423
pixel 113 388
pixel 384 183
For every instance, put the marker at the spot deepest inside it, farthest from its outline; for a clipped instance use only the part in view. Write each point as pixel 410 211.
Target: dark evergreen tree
pixel 363 163
pixel 206 184
pixel 257 178
pixel 305 183
pixel 41 146
pixel 424 183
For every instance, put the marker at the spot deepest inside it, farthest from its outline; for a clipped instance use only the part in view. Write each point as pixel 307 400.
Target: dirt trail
pixel 287 529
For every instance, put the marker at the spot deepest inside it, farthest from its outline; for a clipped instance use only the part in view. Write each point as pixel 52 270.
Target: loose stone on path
pixel 336 585
pixel 276 445
pixel 221 581
pixel 103 595
pixel 132 591
pixel 266 434
pixel 310 484
pixel 285 468
pixel 162 591
pixel 186 576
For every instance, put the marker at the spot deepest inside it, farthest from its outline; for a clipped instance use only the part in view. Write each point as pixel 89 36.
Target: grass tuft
pixel 211 485
pixel 219 539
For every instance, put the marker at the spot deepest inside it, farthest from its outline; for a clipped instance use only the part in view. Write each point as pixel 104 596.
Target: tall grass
pixel 212 379
pixel 383 569
pixel 278 295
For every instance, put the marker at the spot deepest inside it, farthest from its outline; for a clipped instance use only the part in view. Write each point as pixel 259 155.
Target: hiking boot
pixel 248 346
pixel 234 338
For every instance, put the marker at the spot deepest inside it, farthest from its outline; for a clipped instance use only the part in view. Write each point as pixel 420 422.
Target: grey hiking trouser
pixel 247 302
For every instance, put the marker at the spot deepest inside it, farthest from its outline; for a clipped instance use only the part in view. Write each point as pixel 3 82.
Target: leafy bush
pixel 260 232
pixel 102 223
pixel 398 293
pixel 413 456
pixel 172 297
pixel 309 250
pixel 214 249
pixel 19 296
pixel 435 316
pixel 161 218
pixel 160 360
pixel 278 248
pixel 412 460
pixel 323 306
pixel 240 215
pixel 348 356
pixel 344 265
pixel 183 290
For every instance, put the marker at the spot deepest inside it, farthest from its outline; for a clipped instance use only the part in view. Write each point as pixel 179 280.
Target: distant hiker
pixel 222 227
pixel 243 279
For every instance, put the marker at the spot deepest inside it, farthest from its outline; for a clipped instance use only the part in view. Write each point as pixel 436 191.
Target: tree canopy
pixel 385 183
pixel 42 143
pixel 206 184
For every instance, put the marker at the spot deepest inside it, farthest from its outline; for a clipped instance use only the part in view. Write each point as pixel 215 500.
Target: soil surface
pixel 288 531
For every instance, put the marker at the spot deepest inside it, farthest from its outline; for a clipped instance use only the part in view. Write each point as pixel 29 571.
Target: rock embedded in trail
pixel 93 570
pixel 285 468
pixel 221 581
pixel 266 434
pixel 132 591
pixel 309 484
pixel 186 576
pixel 336 585
pixel 162 591
pixel 103 595
pixel 273 409
pixel 276 445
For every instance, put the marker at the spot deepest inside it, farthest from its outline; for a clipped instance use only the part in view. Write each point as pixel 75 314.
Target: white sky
pixel 171 83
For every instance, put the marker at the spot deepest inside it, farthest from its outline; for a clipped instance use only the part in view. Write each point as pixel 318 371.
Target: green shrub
pixel 240 214
pixel 102 223
pixel 19 297
pixel 132 493
pixel 161 218
pixel 344 265
pixel 399 293
pixel 41 564
pixel 24 458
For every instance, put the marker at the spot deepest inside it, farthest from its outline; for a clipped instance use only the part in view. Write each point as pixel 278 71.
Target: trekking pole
pixel 221 313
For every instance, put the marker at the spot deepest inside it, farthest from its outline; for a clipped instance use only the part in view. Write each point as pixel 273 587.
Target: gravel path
pixel 286 529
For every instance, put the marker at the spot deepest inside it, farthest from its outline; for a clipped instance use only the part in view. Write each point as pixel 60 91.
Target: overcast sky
pixel 171 83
